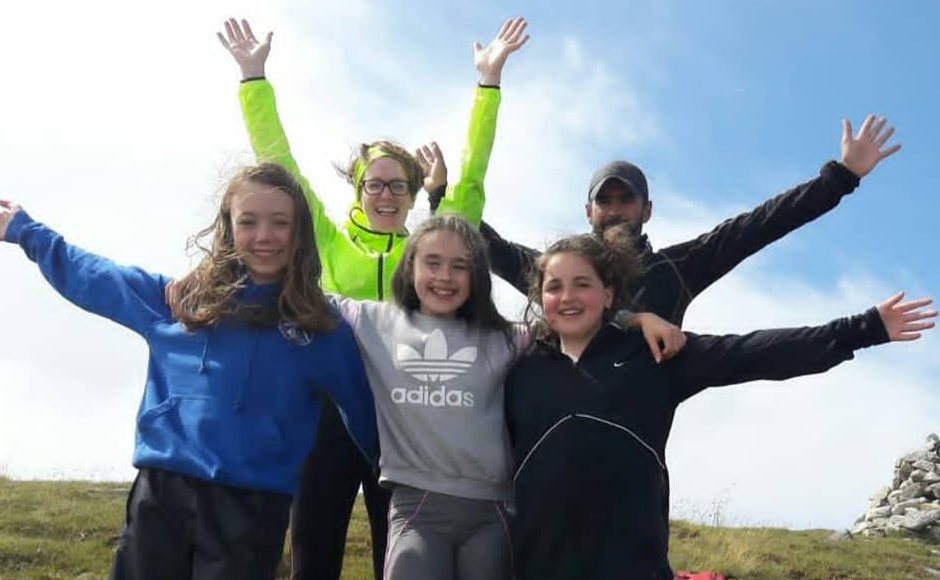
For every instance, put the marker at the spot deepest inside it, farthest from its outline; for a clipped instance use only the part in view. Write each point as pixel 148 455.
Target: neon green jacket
pixel 359 262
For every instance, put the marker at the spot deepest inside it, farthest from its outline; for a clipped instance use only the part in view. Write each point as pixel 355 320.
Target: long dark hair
pixel 208 294
pixel 613 257
pixel 478 310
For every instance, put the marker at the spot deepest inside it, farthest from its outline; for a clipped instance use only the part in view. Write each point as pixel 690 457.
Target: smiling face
pixel 262 229
pixel 442 266
pixel 614 204
pixel 573 297
pixel 386 211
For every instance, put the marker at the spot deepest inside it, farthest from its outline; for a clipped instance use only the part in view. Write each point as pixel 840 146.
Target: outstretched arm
pixel 702 261
pixel 467 196
pixel 129 296
pixel 259 110
pixel 785 353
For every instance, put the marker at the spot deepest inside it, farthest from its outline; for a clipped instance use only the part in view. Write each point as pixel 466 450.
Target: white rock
pixel 861 527
pixel 917 476
pixel 880 496
pixel 911 502
pixel 920 520
pixel 876 513
pixel 912 491
pixel 932 477
pixel 924 465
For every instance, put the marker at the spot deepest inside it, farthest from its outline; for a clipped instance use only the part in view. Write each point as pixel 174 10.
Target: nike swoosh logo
pixel 619 364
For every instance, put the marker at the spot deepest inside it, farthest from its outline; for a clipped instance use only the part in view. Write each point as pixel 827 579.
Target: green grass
pixel 66 530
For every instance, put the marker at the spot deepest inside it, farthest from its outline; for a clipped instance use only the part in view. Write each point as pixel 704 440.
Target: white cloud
pixel 119 137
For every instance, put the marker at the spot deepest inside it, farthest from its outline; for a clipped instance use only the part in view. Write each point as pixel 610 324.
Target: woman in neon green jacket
pixel 358 258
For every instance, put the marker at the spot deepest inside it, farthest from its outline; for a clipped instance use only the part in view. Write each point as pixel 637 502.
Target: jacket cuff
pixel 435 197
pixel 841 176
pixel 16 226
pixel 249 79
pixel 482 86
pixel 866 330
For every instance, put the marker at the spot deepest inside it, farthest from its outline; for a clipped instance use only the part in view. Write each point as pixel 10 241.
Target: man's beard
pixel 635 226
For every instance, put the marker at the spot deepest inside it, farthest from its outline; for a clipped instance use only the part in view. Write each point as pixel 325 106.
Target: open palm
pixel 248 52
pixel 490 60
pixel 862 152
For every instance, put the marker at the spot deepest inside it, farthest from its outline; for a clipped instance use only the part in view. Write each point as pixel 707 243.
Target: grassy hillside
pixel 66 530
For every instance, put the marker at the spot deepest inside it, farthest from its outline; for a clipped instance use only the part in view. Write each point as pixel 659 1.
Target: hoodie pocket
pixel 212 433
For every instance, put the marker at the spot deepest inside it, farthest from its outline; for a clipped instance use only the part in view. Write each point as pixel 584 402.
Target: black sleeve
pixel 435 197
pixel 711 361
pixel 702 261
pixel 508 260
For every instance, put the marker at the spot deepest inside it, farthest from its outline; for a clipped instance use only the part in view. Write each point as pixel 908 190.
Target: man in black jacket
pixel 675 275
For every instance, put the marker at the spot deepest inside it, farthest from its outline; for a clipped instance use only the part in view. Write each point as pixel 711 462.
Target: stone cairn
pixel 912 503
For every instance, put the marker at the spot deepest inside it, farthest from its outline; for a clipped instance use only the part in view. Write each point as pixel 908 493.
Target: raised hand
pixel 7 210
pixel 903 320
pixel 432 165
pixel 490 60
pixel 860 154
pixel 241 43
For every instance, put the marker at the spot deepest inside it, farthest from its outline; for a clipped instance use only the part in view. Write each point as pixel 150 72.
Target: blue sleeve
pixel 350 391
pixel 127 295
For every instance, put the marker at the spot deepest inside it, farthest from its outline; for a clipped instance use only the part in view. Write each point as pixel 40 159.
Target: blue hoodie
pixel 233 404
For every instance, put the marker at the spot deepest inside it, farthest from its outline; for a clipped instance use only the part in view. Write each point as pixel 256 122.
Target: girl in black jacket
pixel 589 411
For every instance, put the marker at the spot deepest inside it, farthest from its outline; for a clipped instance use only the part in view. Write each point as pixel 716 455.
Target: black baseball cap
pixel 623 171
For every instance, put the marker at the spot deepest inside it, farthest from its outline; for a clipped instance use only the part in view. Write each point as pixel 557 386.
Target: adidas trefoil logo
pixel 434 364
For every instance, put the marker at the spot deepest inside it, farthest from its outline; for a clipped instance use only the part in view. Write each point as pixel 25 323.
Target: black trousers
pixel 323 505
pixel 182 528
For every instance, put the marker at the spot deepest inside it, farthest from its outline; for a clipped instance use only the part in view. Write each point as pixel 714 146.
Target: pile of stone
pixel 912 503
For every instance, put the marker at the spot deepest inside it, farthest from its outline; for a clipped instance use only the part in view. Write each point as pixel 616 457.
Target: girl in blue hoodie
pixel 232 390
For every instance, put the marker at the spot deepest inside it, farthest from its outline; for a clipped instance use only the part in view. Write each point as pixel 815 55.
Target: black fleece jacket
pixel 677 274
pixel 589 438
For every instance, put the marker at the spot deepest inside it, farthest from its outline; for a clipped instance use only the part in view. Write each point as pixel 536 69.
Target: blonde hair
pixel 367 153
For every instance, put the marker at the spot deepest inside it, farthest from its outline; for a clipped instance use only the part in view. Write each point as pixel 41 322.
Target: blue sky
pixel 120 123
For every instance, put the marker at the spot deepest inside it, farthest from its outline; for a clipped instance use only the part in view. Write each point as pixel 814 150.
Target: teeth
pixel 443 292
pixel 386 210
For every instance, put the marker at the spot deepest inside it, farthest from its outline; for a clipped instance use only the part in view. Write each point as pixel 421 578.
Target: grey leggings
pixel 433 536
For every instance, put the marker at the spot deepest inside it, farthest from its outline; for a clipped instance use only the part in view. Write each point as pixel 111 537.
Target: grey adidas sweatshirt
pixel 438 390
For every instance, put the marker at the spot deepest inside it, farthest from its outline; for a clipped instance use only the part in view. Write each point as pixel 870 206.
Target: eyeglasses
pixel 397 187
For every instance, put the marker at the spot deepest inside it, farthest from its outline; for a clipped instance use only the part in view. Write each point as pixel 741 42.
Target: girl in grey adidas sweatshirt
pixel 437 359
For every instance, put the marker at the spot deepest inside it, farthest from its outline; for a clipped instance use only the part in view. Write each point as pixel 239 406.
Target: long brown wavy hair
pixel 478 310
pixel 614 257
pixel 209 292
pixel 366 153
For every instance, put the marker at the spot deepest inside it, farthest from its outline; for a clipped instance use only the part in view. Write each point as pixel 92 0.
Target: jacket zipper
pixel 380 291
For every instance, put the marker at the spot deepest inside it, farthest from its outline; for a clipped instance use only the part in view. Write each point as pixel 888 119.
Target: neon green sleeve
pixel 259 110
pixel 467 197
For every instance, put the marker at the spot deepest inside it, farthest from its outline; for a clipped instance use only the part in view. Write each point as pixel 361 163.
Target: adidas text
pixel 439 397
